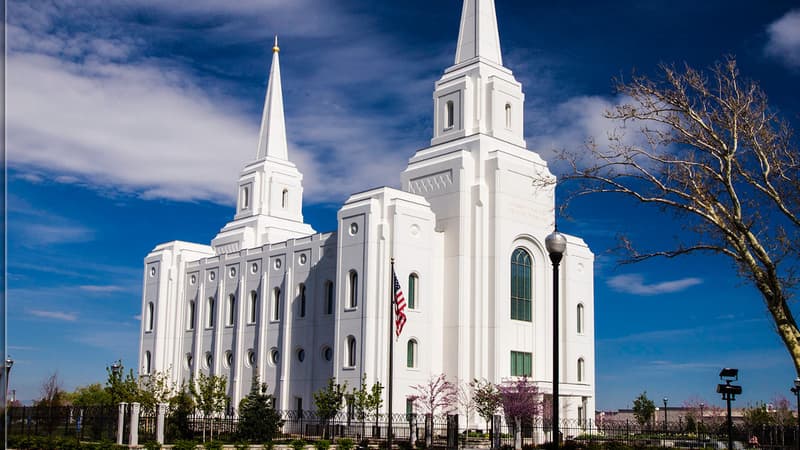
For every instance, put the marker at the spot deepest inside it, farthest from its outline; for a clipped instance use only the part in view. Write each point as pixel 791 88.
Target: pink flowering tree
pixel 521 403
pixel 435 396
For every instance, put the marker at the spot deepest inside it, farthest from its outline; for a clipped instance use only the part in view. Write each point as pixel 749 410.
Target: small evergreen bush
pixel 345 444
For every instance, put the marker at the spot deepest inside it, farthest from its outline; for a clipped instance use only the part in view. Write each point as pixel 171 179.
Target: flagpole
pixel 391 350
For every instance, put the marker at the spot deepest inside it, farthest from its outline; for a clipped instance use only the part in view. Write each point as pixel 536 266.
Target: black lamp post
pixel 729 393
pixel 700 429
pixel 556 244
pixel 9 363
pixel 665 417
pixel 796 391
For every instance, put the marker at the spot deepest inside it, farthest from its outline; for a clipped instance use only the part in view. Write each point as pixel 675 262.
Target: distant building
pixel 272 298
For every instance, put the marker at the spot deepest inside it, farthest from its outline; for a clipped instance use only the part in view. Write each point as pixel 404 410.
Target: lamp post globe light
pixel 665 417
pixel 796 391
pixel 9 363
pixel 556 244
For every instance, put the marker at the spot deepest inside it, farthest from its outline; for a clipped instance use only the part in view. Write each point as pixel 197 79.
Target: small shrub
pixel 152 445
pixel 322 444
pixel 345 444
pixel 213 445
pixel 298 444
pixel 183 444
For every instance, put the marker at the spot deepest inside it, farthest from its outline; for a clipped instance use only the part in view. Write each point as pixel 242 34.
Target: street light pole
pixel 796 391
pixel 556 244
pixel 665 417
pixel 9 363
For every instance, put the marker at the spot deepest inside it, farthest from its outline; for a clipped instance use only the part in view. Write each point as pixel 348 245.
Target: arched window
pixel 210 314
pixel 413 290
pixel 449 119
pixel 245 197
pixel 580 318
pixel 302 299
pixel 150 314
pixel 231 310
pixel 521 285
pixel 580 370
pixel 147 362
pixel 329 297
pixel 285 198
pixel 253 307
pixel 350 360
pixel 352 288
pixel 190 316
pixel 508 115
pixel 411 353
pixel 276 303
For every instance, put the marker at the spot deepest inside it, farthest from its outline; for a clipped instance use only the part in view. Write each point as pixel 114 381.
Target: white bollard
pixel 134 431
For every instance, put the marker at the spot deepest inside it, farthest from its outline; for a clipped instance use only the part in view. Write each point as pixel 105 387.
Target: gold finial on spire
pixel 275 48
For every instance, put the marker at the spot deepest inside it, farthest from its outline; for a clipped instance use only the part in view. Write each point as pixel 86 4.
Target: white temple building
pixel 271 297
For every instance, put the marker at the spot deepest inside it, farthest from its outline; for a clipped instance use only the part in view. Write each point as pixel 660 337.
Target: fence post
pixel 134 431
pixel 497 421
pixel 121 422
pixel 452 431
pixel 162 409
pixel 428 430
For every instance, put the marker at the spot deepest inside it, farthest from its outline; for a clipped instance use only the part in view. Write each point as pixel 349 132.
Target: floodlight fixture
pixel 728 374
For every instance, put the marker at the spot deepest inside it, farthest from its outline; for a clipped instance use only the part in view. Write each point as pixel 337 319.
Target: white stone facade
pixel 272 298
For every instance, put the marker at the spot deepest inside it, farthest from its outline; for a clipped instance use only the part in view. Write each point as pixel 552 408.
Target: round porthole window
pixel 193 279
pixel 274 356
pixel 251 357
pixel 212 275
pixel 303 259
pixel 327 353
pixel 254 268
pixel 278 263
pixel 188 360
pixel 228 359
pixel 209 360
pixel 353 229
pixel 232 271
pixel 301 355
pixel 153 271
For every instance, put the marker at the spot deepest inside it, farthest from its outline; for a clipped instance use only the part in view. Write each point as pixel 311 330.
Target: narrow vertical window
pixel 351 352
pixel 210 316
pixel 580 318
pixel 411 353
pixel 150 314
pixel 521 285
pixel 245 197
pixel 448 115
pixel 231 310
pixel 302 299
pixel 409 406
pixel 508 115
pixel 190 316
pixel 276 303
pixel 253 306
pixel 329 297
pixel 580 370
pixel 285 198
pixel 352 298
pixel 147 361
pixel 413 282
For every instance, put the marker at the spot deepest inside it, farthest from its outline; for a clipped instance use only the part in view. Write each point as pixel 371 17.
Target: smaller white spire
pixel 272 137
pixel 478 36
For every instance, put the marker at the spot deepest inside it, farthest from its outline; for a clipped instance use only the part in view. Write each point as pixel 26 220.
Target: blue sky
pixel 128 122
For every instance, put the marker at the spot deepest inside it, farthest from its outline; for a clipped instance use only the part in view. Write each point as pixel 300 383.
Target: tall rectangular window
pixel 329 297
pixel 521 285
pixel 413 281
pixel 521 364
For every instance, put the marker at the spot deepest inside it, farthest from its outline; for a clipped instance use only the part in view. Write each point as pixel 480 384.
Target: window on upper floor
pixel 253 310
pixel 350 355
pixel 301 300
pixel 579 318
pixel 521 285
pixel 245 197
pixel 449 115
pixel 190 316
pixel 329 293
pixel 413 291
pixel 147 363
pixel 581 374
pixel 149 319
pixel 521 364
pixel 276 303
pixel 210 313
pixel 508 115
pixel 411 353
pixel 285 198
pixel 231 310
pixel 352 289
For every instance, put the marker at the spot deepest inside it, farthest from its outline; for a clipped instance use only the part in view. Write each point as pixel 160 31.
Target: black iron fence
pixel 99 423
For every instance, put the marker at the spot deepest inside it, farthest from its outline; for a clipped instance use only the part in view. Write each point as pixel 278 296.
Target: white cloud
pixel 784 38
pixel 635 284
pixel 101 288
pixel 56 315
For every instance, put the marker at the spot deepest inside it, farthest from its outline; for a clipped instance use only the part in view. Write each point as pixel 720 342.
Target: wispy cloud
pixel 101 288
pixel 784 38
pixel 635 284
pixel 56 315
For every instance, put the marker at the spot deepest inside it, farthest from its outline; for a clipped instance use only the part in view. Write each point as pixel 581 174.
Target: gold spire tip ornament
pixel 275 47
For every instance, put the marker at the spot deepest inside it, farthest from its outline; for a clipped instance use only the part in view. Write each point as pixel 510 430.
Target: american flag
pixel 399 306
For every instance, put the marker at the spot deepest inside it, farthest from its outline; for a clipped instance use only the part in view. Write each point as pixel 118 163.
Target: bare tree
pixel 715 155
pixel 466 401
pixel 52 393
pixel 438 394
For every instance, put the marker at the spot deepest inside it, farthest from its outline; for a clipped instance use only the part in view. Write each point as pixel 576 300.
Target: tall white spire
pixel 478 36
pixel 272 137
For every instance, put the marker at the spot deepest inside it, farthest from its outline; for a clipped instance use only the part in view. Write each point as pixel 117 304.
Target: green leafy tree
pixel 210 396
pixel 181 408
pixel 755 417
pixel 92 395
pixel 374 400
pixel 328 401
pixel 487 399
pixel 258 419
pixel 122 389
pixel 643 409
